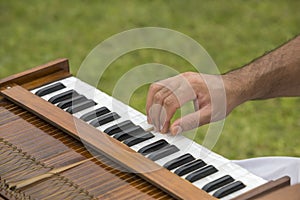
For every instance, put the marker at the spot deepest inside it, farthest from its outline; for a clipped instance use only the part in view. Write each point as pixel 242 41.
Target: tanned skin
pixel 276 74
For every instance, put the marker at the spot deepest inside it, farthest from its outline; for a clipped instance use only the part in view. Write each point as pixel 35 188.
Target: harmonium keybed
pixel 61 138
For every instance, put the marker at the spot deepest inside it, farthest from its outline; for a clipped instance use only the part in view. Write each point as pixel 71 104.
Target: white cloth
pixel 272 168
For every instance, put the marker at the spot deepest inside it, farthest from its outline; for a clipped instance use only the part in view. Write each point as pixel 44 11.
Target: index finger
pixel 168 84
pixel 153 89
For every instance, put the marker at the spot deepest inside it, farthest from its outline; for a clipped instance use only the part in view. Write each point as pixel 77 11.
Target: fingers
pixel 165 97
pixel 154 88
pixel 157 109
pixel 157 92
pixel 164 105
pixel 169 106
pixel 161 106
pixel 191 121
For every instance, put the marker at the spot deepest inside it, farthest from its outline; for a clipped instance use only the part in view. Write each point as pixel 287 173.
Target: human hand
pixel 208 93
pixel 275 74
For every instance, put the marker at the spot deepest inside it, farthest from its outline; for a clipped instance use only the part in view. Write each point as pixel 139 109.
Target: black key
pixel 94 114
pixel 104 119
pixel 128 133
pixel 63 96
pixel 49 89
pixel 69 102
pixel 228 189
pixel 119 127
pixel 135 140
pixel 201 173
pixel 181 160
pixel 220 182
pixel 81 106
pixel 153 147
pixel 190 167
pixel 168 150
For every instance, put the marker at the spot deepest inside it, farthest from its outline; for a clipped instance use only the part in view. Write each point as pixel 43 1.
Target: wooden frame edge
pixel 265 189
pixel 56 69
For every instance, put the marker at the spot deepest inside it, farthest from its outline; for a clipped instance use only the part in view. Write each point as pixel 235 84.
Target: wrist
pixel 237 90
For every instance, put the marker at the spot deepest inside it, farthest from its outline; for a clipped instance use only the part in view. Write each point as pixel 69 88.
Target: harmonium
pixel 61 138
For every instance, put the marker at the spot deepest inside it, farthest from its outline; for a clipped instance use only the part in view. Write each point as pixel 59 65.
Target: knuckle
pixel 171 102
pixel 158 97
pixel 188 74
pixel 168 102
pixel 154 87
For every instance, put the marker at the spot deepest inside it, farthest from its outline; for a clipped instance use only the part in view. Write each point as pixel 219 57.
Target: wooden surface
pixel 265 189
pixel 30 147
pixel 113 149
pixel 286 193
pixel 39 75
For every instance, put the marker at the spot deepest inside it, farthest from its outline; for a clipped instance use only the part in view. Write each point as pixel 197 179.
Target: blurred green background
pixel 234 32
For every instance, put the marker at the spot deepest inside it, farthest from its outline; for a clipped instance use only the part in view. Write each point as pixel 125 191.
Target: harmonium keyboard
pixel 61 138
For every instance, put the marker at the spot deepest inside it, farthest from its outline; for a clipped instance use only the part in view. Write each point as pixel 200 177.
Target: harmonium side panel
pixel 30 147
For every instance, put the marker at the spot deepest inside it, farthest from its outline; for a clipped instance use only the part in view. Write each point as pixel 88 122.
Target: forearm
pixel 275 74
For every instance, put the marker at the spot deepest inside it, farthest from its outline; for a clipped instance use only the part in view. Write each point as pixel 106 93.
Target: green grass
pixel 233 32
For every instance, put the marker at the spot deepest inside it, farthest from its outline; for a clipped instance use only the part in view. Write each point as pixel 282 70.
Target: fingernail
pixel 160 128
pixel 163 130
pixel 177 130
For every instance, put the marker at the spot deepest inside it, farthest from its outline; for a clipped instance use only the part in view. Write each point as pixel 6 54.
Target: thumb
pixel 191 121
